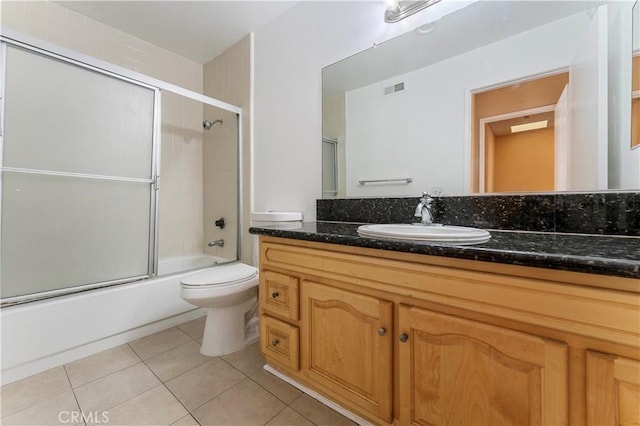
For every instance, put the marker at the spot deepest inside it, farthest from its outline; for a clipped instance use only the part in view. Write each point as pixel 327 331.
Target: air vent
pixel 398 87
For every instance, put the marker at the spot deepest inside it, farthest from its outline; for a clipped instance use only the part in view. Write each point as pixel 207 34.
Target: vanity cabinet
pixel 613 390
pixel 459 372
pixel 347 345
pixel 401 338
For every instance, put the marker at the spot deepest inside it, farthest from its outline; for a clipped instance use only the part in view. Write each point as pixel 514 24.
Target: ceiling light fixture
pixel 535 125
pixel 397 10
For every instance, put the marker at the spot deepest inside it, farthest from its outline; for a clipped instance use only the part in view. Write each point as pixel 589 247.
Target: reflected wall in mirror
pixel 635 72
pixel 411 111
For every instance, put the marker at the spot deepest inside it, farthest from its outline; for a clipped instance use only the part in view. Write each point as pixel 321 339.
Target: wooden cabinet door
pixel 347 346
pixel 613 390
pixel 455 371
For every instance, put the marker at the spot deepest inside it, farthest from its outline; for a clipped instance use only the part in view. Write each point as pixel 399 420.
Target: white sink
pixel 418 232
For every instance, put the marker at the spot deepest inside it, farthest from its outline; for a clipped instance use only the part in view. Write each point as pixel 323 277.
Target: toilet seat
pixel 221 276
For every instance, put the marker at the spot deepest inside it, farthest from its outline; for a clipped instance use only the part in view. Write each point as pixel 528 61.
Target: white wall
pixel 420 132
pixel 290 53
pixel 624 163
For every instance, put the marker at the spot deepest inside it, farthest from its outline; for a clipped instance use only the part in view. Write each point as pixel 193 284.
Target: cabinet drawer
pixel 279 294
pixel 280 341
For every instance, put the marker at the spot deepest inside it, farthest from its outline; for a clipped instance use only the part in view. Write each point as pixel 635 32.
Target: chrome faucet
pixel 219 243
pixel 423 210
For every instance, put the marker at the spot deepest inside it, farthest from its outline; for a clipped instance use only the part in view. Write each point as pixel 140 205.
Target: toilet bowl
pixel 229 292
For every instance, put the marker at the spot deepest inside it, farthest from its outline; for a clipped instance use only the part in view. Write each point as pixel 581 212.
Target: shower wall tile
pixel 181 164
pixel 228 77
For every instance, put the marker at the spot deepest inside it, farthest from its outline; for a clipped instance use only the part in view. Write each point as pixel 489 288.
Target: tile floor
pixel 162 379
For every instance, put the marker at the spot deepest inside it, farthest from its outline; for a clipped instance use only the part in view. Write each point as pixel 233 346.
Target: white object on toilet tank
pixel 280 220
pixel 270 218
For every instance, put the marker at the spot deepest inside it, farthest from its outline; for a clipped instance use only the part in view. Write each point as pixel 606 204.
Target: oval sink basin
pixel 435 233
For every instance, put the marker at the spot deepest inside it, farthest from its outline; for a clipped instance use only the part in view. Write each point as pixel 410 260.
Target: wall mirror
pixel 499 96
pixel 635 74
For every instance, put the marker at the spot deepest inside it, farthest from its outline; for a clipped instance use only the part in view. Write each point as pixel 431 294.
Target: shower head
pixel 208 124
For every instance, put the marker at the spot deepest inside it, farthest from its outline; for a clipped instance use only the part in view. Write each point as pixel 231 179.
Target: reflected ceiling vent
pixel 398 87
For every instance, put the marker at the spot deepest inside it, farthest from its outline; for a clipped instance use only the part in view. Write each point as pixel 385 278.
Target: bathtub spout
pixel 219 243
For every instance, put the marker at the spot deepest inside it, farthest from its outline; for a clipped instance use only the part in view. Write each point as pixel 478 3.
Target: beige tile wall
pixel 228 78
pixel 181 200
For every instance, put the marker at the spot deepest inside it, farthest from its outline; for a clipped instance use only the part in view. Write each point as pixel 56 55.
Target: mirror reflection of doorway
pixel 520 151
pixel 635 105
pixel 511 155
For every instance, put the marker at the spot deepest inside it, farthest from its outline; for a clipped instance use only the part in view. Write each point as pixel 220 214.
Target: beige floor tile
pixel 244 404
pixel 111 390
pixel 57 410
pixel 33 390
pixel 247 360
pixel 162 341
pixel 199 385
pixel 282 390
pixel 288 417
pixel 93 367
pixel 176 361
pixel 186 421
pixel 195 328
pixel 153 407
pixel 319 413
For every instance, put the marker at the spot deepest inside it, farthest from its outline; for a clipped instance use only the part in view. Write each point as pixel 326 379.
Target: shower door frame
pixel 36 46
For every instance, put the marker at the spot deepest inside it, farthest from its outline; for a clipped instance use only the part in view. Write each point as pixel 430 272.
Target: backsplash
pixel 611 213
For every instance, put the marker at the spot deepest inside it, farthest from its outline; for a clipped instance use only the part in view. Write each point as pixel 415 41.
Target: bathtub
pixel 40 335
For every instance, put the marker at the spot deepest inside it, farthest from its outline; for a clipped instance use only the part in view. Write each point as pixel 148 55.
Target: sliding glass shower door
pixel 78 175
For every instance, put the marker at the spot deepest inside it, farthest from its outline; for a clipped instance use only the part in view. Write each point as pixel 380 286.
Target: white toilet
pixel 230 293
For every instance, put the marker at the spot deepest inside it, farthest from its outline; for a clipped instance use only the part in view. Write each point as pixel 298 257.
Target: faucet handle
pixel 426 198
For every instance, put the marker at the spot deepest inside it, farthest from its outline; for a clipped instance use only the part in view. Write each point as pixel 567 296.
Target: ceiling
pixel 197 30
pixel 503 128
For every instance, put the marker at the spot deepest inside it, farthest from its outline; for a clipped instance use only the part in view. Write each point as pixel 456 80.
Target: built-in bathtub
pixel 40 335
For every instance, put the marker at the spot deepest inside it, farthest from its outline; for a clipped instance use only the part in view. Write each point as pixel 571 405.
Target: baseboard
pixel 315 395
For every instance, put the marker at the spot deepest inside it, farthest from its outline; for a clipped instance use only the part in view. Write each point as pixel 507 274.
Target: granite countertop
pixel 596 254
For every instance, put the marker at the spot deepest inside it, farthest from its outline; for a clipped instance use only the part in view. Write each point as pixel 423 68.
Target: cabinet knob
pixel 275 342
pixel 382 331
pixel 275 295
pixel 404 337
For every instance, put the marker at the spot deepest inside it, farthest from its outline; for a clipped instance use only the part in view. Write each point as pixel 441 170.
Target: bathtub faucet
pixel 216 243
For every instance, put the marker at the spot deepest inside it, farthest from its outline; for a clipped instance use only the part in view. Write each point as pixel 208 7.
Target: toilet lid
pixel 225 274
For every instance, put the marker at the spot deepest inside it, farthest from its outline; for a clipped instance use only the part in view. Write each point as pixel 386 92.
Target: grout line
pixel 218 394
pixel 159 353
pixel 167 387
pixel 300 396
pixel 277 414
pixel 276 396
pixel 73 392
pixel 106 375
pixel 214 397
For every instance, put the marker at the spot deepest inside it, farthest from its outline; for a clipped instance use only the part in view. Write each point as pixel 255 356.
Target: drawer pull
pixel 275 342
pixel 404 337
pixel 275 295
pixel 382 331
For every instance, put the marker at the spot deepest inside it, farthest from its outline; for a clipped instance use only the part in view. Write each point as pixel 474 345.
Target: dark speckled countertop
pixel 596 254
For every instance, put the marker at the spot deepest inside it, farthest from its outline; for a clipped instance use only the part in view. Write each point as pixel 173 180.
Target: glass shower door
pixel 78 176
